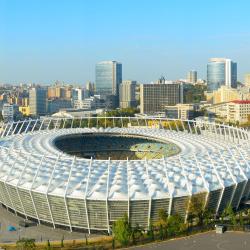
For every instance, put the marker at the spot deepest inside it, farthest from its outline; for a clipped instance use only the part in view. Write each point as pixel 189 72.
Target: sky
pixel 42 41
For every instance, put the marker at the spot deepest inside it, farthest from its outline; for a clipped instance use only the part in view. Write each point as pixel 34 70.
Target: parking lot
pixel 37 232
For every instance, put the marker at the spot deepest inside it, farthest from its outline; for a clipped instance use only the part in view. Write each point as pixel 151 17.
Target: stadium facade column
pixel 86 194
pixel 66 191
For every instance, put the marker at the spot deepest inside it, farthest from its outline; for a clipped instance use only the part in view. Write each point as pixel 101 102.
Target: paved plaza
pixel 37 232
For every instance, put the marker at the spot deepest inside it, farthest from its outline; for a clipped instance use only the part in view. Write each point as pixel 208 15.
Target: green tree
pixel 136 233
pixel 48 247
pixel 25 244
pixel 175 224
pixel 229 212
pixel 86 240
pixel 241 219
pixel 62 241
pixel 122 230
pixel 196 207
pixel 161 224
pixel 208 216
pixel 150 232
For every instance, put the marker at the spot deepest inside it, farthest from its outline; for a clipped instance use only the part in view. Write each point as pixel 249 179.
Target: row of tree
pixel 167 226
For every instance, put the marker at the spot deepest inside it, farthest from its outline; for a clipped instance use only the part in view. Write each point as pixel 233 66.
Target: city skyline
pixel 46 41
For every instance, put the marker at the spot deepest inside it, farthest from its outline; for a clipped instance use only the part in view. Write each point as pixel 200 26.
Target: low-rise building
pixel 55 105
pixel 93 102
pixel 9 112
pixel 237 111
pixel 77 113
pixel 227 94
pixel 25 110
pixel 181 111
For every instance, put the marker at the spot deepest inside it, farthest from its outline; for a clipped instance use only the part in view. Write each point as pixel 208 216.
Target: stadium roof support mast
pixel 107 195
pixel 32 184
pixel 170 189
pixel 4 129
pixel 231 175
pixel 187 185
pixel 14 130
pixel 206 185
pixel 149 198
pixel 128 188
pixel 66 190
pixel 220 181
pixel 243 173
pixel 10 129
pixel 7 177
pixel 18 182
pixel 86 193
pixel 33 128
pixel 47 191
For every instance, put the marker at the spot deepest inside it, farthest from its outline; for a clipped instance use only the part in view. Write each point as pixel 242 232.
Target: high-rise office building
pixel 38 101
pixel 192 76
pixel 221 71
pixel 247 79
pixel 154 97
pixel 108 78
pixel 127 94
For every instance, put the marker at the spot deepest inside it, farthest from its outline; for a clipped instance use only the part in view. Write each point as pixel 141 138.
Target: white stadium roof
pixel 206 163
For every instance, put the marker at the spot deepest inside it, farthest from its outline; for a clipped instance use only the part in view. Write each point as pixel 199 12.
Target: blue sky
pixel 46 40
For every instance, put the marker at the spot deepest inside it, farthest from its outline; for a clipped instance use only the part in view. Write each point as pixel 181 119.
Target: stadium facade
pixel 41 180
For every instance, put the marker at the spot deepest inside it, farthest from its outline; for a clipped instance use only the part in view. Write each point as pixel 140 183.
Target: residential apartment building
pixel 127 94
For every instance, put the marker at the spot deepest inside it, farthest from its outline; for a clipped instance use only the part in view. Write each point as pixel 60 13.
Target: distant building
pixel 247 79
pixel 9 112
pixel 78 94
pixel 227 94
pixel 93 102
pixel 58 91
pixel 108 78
pixel 90 88
pixel 77 113
pixel 238 111
pixel 55 92
pixel 181 111
pixel 38 101
pixel 221 71
pixel 154 97
pixel 54 105
pixel 25 110
pixel 234 111
pixel 192 76
pixel 127 94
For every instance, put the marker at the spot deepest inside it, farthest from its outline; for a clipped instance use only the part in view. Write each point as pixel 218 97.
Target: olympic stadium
pixel 84 174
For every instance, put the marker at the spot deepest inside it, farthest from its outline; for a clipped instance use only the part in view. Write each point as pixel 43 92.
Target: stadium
pixel 84 174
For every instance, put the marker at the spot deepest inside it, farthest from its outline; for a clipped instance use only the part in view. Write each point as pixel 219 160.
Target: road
pixel 204 241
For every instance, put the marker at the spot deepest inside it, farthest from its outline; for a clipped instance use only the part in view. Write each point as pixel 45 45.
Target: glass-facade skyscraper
pixel 221 71
pixel 108 77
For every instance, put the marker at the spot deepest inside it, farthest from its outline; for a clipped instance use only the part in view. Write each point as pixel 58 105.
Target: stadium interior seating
pixel 116 147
